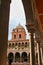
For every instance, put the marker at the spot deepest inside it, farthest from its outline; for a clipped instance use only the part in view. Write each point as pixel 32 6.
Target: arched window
pixel 17 57
pixel 15 44
pixel 19 45
pixel 24 57
pixel 25 44
pixel 14 36
pixel 10 57
pixel 12 45
pixel 19 35
pixel 9 45
pixel 22 45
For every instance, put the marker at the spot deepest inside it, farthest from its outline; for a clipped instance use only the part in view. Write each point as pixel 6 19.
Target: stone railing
pixel 24 63
pixel 17 63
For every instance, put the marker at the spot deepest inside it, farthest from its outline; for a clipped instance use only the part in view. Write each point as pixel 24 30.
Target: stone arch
pixel 5 19
pixel 10 57
pixel 28 10
pixel 17 57
pixel 24 57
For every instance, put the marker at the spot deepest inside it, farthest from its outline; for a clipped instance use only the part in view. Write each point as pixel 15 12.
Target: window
pixel 24 57
pixel 26 44
pixel 10 57
pixel 17 57
pixel 15 44
pixel 14 36
pixel 9 44
pixel 22 45
pixel 17 30
pixel 12 45
pixel 19 35
pixel 19 44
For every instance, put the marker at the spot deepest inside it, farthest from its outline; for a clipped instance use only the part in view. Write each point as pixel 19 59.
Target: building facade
pixel 19 47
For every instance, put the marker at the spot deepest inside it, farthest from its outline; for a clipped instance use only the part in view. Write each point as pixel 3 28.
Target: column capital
pixel 31 27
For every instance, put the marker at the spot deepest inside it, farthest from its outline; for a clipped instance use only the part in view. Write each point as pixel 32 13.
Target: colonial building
pixel 19 47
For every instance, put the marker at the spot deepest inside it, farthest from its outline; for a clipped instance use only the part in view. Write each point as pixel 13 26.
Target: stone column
pixel 32 49
pixel 31 30
pixel 20 57
pixel 35 51
pixel 4 20
pixel 39 53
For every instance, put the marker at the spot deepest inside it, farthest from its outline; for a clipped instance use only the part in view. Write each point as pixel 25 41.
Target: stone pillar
pixel 4 20
pixel 35 51
pixel 32 49
pixel 20 58
pixel 31 30
pixel 39 53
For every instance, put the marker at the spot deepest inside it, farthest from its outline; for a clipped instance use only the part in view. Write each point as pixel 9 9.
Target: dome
pixel 19 27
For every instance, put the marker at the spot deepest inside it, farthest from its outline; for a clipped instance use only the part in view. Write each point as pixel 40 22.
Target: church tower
pixel 19 33
pixel 18 46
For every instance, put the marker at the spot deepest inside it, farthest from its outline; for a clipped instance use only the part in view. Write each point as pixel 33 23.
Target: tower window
pixel 14 36
pixel 10 45
pixel 15 44
pixel 19 35
pixel 17 30
pixel 26 44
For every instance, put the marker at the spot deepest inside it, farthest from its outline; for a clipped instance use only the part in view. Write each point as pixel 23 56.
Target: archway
pixel 10 58
pixel 4 18
pixel 24 57
pixel 17 57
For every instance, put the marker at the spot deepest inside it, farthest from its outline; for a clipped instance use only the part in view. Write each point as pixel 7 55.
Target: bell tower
pixel 19 33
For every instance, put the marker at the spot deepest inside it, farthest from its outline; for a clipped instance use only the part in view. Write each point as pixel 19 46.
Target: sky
pixel 17 16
